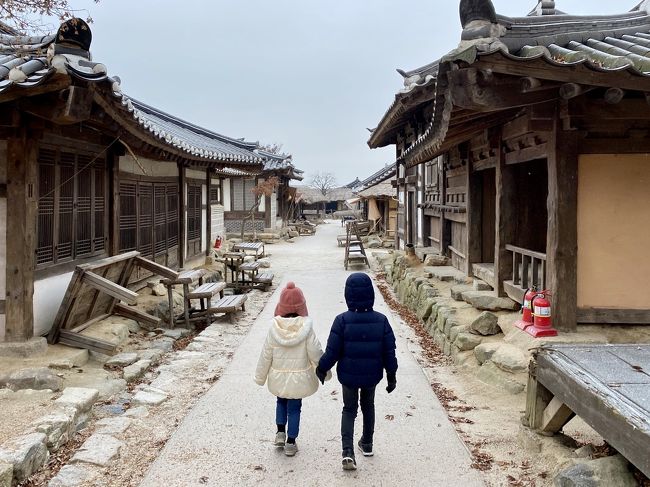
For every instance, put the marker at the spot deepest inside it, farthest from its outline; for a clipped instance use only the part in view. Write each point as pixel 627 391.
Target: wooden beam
pixel 614 95
pixel 527 154
pixel 474 202
pixel 555 416
pixel 562 232
pixel 182 237
pixel 110 288
pixel 570 90
pixel 529 84
pixel 57 82
pixel 136 314
pixel 538 398
pixel 158 269
pixel 21 235
pixel 506 204
pixel 73 339
pixel 614 316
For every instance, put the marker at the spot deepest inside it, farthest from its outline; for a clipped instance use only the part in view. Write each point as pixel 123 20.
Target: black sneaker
pixel 366 449
pixel 349 463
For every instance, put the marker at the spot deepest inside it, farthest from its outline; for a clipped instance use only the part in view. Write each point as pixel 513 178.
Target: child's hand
pixel 392 383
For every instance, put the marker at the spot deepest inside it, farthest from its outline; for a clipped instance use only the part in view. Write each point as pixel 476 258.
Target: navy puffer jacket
pixel 361 340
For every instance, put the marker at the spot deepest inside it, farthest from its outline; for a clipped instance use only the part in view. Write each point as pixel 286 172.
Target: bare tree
pixel 323 181
pixel 29 15
pixel 265 188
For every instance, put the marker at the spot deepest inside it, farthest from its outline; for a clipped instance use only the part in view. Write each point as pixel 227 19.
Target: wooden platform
pixel 608 386
pixel 255 249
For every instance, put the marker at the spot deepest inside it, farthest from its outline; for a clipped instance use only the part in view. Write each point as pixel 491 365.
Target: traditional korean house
pixel 88 172
pixel 523 156
pixel 379 200
pixel 273 211
pixel 314 204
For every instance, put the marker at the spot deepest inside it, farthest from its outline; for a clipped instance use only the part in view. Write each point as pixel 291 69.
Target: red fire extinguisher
pixel 217 243
pixel 527 309
pixel 542 317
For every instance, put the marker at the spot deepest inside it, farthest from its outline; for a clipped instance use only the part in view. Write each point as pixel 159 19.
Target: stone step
pixel 446 274
pixel 458 291
pixel 487 301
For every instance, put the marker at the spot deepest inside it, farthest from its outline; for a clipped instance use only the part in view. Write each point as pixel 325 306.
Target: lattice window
pixel 194 218
pixel 71 207
pixel 243 197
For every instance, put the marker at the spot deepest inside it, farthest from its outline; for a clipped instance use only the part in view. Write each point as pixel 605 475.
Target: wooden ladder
pixel 354 250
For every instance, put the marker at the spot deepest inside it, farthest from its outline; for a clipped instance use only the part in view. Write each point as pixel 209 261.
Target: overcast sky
pixel 311 75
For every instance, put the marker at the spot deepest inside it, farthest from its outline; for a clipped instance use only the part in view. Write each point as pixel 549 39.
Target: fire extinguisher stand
pixel 542 317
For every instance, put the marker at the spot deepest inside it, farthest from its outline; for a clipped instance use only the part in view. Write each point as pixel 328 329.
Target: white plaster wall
pixel 263 202
pixel 48 295
pixel 195 174
pixel 151 167
pixel 218 227
pixel 226 195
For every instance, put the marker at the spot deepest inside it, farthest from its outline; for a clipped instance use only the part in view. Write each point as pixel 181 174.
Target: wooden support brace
pixel 555 416
pixel 136 314
pixel 110 288
pixel 156 268
pixel 73 339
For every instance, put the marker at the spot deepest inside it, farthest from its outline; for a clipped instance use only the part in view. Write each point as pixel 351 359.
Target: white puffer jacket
pixel 289 358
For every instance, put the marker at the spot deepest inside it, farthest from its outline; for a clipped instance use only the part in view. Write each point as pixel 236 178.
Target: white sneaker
pixel 280 439
pixel 290 449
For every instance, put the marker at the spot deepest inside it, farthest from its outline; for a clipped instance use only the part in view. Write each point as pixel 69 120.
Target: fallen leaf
pixel 390 417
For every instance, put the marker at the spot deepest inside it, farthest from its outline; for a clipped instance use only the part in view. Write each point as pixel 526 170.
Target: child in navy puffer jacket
pixel 363 344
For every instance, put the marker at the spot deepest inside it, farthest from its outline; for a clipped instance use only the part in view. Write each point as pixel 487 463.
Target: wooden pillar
pixel 182 207
pixel 21 235
pixel 474 199
pixel 114 202
pixel 208 215
pixel 445 228
pixel 505 226
pixel 562 233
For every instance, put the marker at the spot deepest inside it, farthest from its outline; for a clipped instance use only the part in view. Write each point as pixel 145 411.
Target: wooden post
pixel 474 215
pixel 22 167
pixel 182 240
pixel 562 234
pixel 445 233
pixel 208 215
pixel 505 221
pixel 114 203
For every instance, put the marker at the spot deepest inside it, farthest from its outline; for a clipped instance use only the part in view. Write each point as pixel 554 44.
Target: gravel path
pixel 226 439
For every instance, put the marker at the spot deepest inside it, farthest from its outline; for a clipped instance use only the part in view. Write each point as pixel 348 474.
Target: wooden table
pixel 232 261
pixel 249 267
pixel 608 386
pixel 255 248
pixel 185 278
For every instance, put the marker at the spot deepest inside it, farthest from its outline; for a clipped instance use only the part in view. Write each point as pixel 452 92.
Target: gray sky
pixel 309 74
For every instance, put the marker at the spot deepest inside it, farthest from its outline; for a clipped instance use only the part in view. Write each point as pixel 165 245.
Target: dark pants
pixel 288 411
pixel 352 397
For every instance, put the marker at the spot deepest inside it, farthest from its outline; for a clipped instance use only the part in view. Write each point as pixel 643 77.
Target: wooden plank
pixel 66 306
pixel 527 154
pixel 537 399
pixel 136 314
pixel 555 416
pixel 207 290
pixel 626 432
pixel 530 253
pixel 21 166
pixel 96 264
pixel 83 326
pixel 562 233
pixel 613 316
pixel 110 288
pixel 93 344
pixel 156 268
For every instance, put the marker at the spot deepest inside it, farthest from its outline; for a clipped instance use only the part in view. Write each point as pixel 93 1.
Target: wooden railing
pixel 528 268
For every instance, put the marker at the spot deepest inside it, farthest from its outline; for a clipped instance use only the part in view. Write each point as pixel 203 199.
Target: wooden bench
pixel 228 305
pixel 204 293
pixel 265 279
pixel 255 248
pixel 185 278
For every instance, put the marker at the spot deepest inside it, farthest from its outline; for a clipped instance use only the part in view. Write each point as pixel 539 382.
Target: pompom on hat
pixel 291 301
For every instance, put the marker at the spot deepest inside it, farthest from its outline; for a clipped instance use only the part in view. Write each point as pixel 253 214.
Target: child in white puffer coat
pixel 288 362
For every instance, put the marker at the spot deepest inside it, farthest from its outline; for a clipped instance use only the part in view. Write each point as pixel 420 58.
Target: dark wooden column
pixel 208 214
pixel 114 202
pixel 505 221
pixel 21 235
pixel 182 209
pixel 562 234
pixel 474 201
pixel 445 230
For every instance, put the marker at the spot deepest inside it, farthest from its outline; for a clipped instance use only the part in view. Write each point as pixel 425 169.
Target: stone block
pixel 98 450
pixel 137 412
pixel 439 338
pixel 433 260
pixel 153 355
pixel 113 426
pixel 6 474
pixel 137 370
pixel 486 324
pixel 424 311
pixel 467 341
pixel 149 396
pixel 72 476
pixel 446 348
pixel 159 290
pixel 461 358
pixel 58 428
pixel 80 399
pixel 602 472
pixel 165 344
pixel 455 329
pixel 485 351
pixel 122 359
pixel 26 453
pixel 458 291
pixel 479 285
pixel 40 378
pixel 31 348
pixel 493 375
pixel 487 301
pixel 176 333
pixel 510 359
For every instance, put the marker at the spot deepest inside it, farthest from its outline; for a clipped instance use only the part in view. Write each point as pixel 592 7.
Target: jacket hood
pixel 291 331
pixel 359 293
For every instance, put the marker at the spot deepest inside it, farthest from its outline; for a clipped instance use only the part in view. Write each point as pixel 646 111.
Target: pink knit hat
pixel 291 301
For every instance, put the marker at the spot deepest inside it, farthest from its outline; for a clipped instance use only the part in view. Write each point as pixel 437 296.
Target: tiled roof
pixel 605 43
pixel 280 162
pixel 314 195
pixel 26 62
pixel 380 176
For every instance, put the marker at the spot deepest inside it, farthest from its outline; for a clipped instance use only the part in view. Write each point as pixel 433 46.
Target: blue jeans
pixel 288 411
